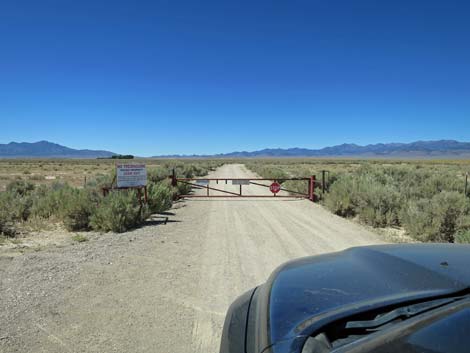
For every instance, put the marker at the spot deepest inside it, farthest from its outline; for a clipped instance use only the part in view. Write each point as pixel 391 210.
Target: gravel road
pixel 163 287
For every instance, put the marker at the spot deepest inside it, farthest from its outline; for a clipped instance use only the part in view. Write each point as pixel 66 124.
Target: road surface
pixel 162 288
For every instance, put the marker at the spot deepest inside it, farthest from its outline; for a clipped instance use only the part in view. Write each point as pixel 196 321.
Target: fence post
pixel 139 196
pixel 466 183
pixel 323 181
pixel 173 178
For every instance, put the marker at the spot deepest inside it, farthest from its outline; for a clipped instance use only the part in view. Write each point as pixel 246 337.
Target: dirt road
pixel 161 288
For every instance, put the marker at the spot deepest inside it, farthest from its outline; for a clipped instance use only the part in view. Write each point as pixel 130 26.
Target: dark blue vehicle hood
pixel 308 293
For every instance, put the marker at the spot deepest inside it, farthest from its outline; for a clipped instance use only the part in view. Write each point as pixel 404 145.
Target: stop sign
pixel 275 187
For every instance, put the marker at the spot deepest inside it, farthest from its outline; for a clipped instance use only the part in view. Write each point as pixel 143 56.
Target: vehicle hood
pixel 308 293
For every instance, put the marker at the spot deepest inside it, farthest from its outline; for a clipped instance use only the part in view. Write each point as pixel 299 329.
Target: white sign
pixel 131 175
pixel 202 181
pixel 240 182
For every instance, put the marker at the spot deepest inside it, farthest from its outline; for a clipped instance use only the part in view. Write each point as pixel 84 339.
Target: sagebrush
pixel 426 198
pixel 82 209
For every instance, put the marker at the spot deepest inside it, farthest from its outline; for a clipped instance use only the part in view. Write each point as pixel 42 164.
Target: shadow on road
pixel 157 220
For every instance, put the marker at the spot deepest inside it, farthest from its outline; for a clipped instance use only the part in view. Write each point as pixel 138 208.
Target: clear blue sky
pixel 159 77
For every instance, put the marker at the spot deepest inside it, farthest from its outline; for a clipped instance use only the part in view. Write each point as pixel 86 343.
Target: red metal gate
pixel 204 184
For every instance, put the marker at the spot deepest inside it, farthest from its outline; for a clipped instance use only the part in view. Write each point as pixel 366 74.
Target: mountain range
pixel 420 149
pixel 46 149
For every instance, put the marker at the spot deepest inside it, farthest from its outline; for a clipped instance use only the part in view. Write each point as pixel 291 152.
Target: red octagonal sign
pixel 275 187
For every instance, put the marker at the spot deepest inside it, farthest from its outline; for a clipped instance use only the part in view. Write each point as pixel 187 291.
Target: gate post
pixel 309 193
pixel 311 189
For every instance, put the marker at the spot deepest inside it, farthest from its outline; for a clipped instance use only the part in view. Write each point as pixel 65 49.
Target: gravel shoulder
pixel 163 287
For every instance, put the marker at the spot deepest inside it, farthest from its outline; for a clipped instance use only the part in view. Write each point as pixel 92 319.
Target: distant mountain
pixel 419 149
pixel 45 149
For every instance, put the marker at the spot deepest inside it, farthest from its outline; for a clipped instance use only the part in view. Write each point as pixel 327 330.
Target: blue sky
pixel 162 77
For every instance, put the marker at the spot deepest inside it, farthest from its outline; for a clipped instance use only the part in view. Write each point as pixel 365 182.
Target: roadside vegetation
pixel 81 172
pixel 84 208
pixel 425 198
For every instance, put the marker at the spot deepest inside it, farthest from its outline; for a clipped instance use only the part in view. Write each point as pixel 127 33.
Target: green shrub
pixel 36 177
pixel 18 207
pixel 118 212
pixel 6 220
pixel 50 201
pixel 436 219
pixel 378 205
pixel 78 209
pixel 101 180
pixel 379 196
pixel 160 197
pixel 300 186
pixel 20 187
pixel 191 170
pixel 15 205
pixel 342 199
pixel 463 237
pixel 183 189
pixel 273 173
pixel 157 174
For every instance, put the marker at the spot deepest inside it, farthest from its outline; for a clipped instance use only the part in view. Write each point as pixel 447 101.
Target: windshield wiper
pixel 403 312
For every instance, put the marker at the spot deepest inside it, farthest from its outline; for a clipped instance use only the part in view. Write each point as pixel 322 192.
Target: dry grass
pixel 48 171
pixel 74 172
